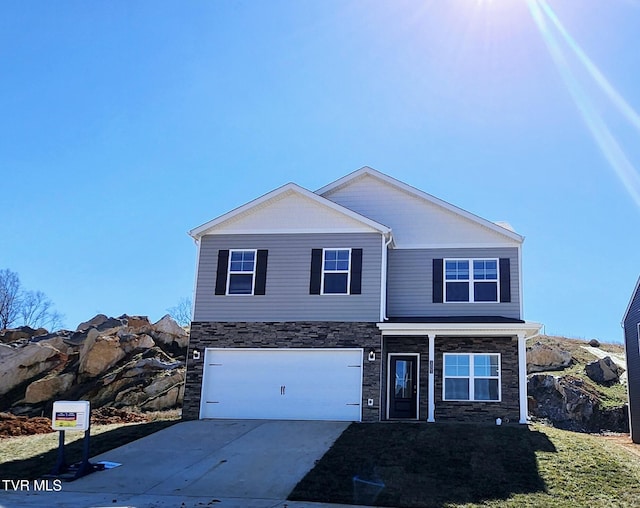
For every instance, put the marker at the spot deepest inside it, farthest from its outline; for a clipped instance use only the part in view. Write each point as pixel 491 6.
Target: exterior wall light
pixel 372 356
pixel 196 354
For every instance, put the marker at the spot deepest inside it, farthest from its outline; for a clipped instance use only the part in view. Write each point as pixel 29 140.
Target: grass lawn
pixel 458 465
pixel 29 457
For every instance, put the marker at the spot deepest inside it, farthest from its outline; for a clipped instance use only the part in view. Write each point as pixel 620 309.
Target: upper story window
pixel 241 272
pixel 471 280
pixel 336 265
pixel 474 377
pixel 336 271
pixel 242 267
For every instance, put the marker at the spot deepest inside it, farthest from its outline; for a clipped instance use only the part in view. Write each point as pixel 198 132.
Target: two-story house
pixel 366 300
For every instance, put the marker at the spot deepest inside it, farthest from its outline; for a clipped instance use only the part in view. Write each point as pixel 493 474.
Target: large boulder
pixel 604 371
pixel 23 332
pixel 94 322
pixel 19 365
pixel 167 400
pixel 542 358
pixel 48 388
pixel 168 331
pixel 161 393
pixel 131 342
pixel 136 324
pixel 56 340
pixel 99 353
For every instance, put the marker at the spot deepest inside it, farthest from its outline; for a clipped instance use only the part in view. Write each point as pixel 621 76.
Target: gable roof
pixel 634 295
pixel 288 190
pixel 500 228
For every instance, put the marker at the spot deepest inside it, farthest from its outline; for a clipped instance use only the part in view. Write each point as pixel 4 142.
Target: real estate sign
pixel 70 415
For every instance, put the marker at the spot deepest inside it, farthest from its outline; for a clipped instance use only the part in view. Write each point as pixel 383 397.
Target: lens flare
pixel 627 111
pixel 603 137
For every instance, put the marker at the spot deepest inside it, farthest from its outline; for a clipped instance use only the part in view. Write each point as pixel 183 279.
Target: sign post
pixel 72 415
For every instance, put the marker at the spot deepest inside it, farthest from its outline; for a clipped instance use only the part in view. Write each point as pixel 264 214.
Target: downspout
pixel 383 310
pixel 383 277
pixel 520 289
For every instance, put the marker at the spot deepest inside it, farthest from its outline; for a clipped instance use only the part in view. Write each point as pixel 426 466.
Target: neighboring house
pixel 631 325
pixel 366 300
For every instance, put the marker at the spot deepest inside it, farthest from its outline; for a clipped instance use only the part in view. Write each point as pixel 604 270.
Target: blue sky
pixel 125 124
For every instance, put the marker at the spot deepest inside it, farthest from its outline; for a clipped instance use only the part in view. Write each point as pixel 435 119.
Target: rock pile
pixel 568 401
pixel 118 362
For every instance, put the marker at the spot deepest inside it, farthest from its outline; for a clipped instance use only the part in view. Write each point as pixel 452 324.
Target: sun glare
pixel 546 19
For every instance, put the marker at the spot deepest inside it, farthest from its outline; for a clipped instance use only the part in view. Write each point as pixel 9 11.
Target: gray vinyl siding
pixel 287 295
pixel 632 319
pixel 410 284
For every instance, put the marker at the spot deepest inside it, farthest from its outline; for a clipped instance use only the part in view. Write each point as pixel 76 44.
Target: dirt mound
pixel 106 415
pixel 11 425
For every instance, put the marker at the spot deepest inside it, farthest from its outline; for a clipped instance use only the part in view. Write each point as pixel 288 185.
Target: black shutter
pixel 356 272
pixel 316 271
pixel 261 272
pixel 438 287
pixel 221 277
pixel 505 280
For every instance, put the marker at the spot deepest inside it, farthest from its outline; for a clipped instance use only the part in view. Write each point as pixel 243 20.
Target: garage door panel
pixel 313 384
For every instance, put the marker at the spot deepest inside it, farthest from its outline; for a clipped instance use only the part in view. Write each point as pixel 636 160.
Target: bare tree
pixel 36 311
pixel 181 312
pixel 9 298
pixel 30 308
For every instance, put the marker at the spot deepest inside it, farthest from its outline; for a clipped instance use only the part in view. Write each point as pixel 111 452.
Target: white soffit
pixel 289 209
pixel 417 218
pixel 528 329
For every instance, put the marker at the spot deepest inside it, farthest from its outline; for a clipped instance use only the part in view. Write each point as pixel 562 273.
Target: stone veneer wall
pixel 284 335
pixel 508 408
pixel 409 344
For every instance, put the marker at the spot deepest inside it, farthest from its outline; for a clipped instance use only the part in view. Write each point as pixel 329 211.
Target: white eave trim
pixel 206 228
pixel 528 329
pixel 422 195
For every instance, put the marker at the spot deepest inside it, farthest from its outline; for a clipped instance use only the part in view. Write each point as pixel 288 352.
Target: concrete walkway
pixel 222 463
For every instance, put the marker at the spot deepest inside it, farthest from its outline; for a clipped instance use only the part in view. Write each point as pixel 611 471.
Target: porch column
pixel 431 416
pixel 522 377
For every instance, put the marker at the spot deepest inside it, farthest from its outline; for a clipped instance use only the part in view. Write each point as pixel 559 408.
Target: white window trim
pixel 471 377
pixel 471 280
pixel 253 273
pixel 348 271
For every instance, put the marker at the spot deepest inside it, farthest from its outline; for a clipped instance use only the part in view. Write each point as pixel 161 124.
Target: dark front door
pixel 403 386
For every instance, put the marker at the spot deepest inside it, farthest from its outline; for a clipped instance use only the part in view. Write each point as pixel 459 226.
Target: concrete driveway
pixel 225 463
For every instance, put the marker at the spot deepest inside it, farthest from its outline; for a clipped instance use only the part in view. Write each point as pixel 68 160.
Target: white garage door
pixel 287 384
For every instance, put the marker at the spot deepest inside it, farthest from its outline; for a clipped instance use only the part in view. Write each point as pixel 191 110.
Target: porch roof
pixel 470 326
